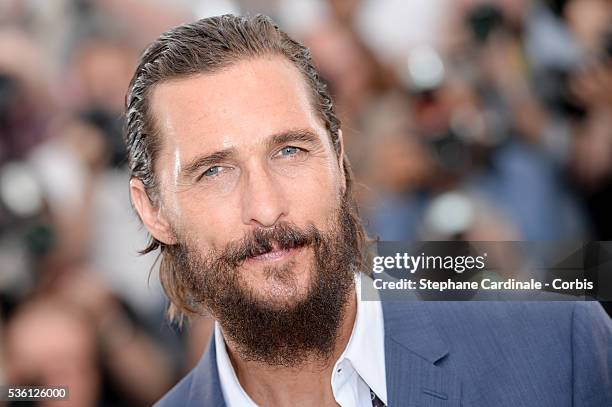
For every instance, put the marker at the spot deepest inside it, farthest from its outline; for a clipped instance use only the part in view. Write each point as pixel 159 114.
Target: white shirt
pixel 361 366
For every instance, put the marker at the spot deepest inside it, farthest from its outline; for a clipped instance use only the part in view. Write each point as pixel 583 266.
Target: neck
pixel 283 386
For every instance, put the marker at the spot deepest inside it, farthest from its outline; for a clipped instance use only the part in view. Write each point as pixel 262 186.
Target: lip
pixel 273 256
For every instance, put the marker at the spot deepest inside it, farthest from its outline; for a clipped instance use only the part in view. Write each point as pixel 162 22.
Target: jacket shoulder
pixel 200 387
pixel 177 395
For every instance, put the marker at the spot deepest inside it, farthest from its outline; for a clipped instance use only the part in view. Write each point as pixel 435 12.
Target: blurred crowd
pixel 475 119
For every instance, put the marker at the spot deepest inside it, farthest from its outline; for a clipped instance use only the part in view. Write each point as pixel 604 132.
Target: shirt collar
pixel 366 349
pixel 233 392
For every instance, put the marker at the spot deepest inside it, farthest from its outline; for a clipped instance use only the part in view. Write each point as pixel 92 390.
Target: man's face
pixel 243 150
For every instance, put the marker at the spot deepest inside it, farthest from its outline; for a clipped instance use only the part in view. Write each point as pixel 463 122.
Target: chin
pixel 280 286
pixel 280 296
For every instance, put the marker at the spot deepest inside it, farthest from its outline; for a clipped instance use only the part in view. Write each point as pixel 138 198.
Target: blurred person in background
pixel 52 344
pixel 590 162
pixel 354 75
pixel 397 166
pixel 25 96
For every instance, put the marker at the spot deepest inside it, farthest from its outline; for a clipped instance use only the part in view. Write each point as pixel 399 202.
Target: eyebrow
pixel 285 137
pixel 293 136
pixel 198 163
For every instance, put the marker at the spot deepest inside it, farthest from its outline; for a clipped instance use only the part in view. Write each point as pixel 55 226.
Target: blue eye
pixel 212 171
pixel 289 151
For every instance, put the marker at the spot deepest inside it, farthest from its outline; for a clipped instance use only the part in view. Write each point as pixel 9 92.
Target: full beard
pixel 277 333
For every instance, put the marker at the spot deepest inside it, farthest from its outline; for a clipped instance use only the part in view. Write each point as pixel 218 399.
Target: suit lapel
pixel 205 389
pixel 413 346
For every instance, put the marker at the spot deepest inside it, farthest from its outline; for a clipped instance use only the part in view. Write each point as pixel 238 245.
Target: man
pixel 239 174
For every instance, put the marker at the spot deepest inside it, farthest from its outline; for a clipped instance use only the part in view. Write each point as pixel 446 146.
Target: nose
pixel 263 199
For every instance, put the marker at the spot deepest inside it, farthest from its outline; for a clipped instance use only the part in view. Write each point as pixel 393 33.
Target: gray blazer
pixel 490 354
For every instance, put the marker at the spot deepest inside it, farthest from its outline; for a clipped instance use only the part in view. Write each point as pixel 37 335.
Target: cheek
pixel 313 195
pixel 208 222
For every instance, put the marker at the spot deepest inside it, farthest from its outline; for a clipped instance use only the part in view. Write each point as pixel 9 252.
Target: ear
pixel 341 160
pixel 151 216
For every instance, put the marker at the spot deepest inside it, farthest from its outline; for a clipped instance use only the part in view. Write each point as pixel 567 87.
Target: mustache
pixel 283 236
